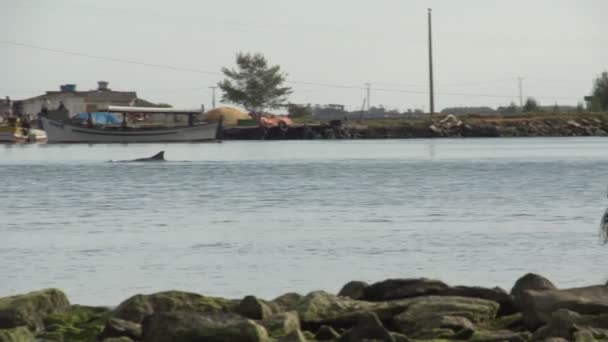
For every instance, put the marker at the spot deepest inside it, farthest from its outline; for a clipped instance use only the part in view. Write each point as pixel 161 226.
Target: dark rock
pixel 354 289
pixel 326 333
pixel 537 306
pixel 19 334
pixel 116 327
pixel 281 324
pixel 402 288
pixel 253 308
pixel 294 336
pixel 194 327
pixel 368 327
pixel 531 281
pixel 137 307
pixel 30 309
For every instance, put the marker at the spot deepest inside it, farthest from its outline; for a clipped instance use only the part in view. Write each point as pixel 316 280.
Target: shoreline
pixel 416 309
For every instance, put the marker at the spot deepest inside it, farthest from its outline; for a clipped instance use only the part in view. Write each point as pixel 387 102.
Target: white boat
pixel 14 133
pixel 74 132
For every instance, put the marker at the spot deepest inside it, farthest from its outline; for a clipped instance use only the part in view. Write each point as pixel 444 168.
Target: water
pixel 267 218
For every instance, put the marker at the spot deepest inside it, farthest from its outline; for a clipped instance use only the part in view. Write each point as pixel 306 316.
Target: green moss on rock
pixel 137 307
pixel 19 334
pixel 77 323
pixel 30 309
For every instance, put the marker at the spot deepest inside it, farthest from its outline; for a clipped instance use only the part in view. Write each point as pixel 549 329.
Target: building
pixel 6 107
pixel 75 101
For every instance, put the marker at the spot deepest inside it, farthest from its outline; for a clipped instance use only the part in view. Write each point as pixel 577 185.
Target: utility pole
pixel 213 96
pixel 368 89
pixel 431 85
pixel 520 85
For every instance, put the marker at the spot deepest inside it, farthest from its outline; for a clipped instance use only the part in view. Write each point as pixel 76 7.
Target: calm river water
pixel 267 218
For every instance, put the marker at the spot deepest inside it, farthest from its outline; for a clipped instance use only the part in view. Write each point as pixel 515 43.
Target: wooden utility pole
pixel 431 85
pixel 213 97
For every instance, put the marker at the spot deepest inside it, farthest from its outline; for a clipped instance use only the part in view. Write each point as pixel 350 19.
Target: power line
pixel 215 73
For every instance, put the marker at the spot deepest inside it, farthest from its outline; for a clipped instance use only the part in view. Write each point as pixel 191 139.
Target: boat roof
pixel 127 109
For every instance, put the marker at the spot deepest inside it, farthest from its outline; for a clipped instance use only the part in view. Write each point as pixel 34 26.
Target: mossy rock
pixel 30 309
pixel 19 334
pixel 137 307
pixel 77 323
pixel 118 339
pixel 194 327
pixel 281 324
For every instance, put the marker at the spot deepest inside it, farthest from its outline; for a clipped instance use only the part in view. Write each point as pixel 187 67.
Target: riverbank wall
pixel 393 310
pixel 440 126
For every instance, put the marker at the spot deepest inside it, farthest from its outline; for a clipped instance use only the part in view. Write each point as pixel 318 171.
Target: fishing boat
pixel 131 131
pixel 15 133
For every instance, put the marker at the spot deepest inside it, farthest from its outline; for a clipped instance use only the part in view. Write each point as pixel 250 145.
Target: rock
pixel 117 339
pixel 590 335
pixel 354 289
pixel 30 309
pixel 507 307
pixel 563 322
pixel 500 336
pixel 116 327
pixel 537 306
pixel 137 307
pixel 254 308
pixel 294 336
pixel 19 334
pixel 368 328
pixel 326 333
pixel 77 323
pixel 531 281
pixel 454 316
pixel 400 337
pixel 402 288
pixel 281 324
pixel 288 301
pixel 561 325
pixel 321 308
pixel 194 327
pixel 555 339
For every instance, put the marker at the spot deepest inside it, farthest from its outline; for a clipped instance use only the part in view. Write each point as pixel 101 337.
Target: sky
pixel 173 51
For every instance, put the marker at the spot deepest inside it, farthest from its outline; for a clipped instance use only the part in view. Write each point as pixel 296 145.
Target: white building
pixel 76 101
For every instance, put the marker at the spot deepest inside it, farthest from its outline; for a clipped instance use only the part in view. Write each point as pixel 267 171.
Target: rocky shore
pixel 441 126
pixel 393 310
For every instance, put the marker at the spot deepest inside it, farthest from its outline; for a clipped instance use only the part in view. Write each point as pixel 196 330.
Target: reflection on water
pixel 274 217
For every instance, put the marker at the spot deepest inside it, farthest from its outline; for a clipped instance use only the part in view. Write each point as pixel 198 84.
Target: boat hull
pixel 59 132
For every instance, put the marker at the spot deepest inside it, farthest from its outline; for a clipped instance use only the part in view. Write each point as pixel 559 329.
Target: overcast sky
pixel 481 47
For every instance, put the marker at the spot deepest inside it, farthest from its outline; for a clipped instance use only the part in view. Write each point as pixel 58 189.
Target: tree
pixel 599 94
pixel 299 111
pixel 164 105
pixel 254 84
pixel 531 105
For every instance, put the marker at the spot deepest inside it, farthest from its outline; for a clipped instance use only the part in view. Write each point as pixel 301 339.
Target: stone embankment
pixel 393 310
pixel 440 127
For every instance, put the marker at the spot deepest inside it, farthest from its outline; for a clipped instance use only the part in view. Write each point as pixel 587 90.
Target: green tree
pixel 254 84
pixel 299 111
pixel 599 94
pixel 531 105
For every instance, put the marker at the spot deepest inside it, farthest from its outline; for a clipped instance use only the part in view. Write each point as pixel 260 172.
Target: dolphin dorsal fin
pixel 159 156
